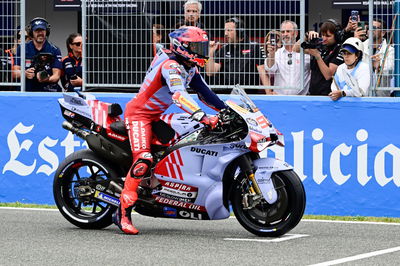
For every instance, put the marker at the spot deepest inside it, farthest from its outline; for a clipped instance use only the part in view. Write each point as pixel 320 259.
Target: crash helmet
pixel 191 44
pixel 354 46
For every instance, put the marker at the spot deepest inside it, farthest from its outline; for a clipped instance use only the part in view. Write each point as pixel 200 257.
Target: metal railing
pixel 120 39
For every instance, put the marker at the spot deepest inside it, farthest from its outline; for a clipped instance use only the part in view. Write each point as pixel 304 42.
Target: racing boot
pixel 122 218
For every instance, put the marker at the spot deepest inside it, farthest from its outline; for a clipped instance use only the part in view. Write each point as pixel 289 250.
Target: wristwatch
pixel 343 93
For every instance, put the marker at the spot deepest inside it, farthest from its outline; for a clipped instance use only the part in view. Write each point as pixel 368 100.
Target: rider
pixel 166 80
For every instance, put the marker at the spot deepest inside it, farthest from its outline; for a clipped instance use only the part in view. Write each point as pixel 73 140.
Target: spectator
pixel 351 28
pixel 383 66
pixel 158 37
pixel 284 63
pixel 326 59
pixel 362 32
pixel 42 58
pixel 355 28
pixel 192 10
pixel 72 69
pixel 7 60
pixel 237 62
pixel 4 68
pixel 270 35
pixel 352 78
pixel 275 36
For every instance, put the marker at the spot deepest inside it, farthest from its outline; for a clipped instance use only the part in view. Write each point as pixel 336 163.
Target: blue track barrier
pixel 347 153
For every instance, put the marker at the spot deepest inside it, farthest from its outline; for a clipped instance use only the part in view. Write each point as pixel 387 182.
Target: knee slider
pixel 142 165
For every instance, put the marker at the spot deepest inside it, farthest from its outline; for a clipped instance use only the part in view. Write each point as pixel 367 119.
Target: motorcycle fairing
pixel 200 166
pixel 265 168
pixel 89 110
pixel 181 123
pixel 176 191
pixel 76 105
pixel 258 137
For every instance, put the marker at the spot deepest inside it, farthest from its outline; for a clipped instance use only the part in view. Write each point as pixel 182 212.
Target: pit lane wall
pixel 347 153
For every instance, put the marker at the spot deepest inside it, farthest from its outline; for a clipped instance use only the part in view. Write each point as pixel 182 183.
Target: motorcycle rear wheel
pixel 271 220
pixel 80 168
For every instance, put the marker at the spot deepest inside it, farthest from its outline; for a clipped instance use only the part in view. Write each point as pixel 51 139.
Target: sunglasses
pixel 290 61
pixel 77 43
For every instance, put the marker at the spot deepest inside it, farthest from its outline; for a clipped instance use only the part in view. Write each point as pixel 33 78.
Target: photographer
pixel 43 59
pixel 325 56
pixel 72 69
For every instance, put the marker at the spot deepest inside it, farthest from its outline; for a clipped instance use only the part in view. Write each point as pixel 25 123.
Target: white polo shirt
pixel 288 75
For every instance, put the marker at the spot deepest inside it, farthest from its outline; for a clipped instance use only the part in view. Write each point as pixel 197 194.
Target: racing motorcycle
pixel 198 173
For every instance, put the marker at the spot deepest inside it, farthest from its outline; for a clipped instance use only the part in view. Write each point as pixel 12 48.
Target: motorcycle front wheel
pixel 74 182
pixel 270 220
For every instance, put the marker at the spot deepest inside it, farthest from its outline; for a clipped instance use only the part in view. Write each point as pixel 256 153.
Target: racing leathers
pixel 165 83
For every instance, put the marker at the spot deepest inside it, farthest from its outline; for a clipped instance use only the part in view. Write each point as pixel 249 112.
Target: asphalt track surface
pixel 44 237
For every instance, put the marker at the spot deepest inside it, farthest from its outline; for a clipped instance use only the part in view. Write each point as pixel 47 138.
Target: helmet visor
pixel 199 48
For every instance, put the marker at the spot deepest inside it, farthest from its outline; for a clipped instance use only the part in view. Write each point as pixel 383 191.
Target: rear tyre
pixel 270 220
pixel 73 186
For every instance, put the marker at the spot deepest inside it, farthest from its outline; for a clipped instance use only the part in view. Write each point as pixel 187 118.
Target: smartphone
pixel 361 24
pixel 354 15
pixel 272 39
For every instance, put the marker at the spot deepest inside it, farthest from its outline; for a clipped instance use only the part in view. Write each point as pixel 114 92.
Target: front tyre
pixel 270 220
pixel 74 184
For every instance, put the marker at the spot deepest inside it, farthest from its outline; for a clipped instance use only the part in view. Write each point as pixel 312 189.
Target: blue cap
pixel 349 48
pixel 39 24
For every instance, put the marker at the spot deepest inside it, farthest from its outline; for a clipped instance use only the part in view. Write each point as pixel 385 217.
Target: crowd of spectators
pixel 273 65
pixel 45 69
pixel 336 62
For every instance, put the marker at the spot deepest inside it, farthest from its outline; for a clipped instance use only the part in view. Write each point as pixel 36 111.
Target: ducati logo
pixel 204 151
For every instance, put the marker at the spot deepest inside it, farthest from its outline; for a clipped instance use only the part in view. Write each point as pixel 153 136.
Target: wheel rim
pixel 265 215
pixel 78 180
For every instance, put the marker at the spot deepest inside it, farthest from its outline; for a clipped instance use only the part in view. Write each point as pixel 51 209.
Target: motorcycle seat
pixel 161 130
pixel 119 127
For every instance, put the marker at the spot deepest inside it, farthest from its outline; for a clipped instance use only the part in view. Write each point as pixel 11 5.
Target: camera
pixel 315 43
pixel 42 64
pixel 354 15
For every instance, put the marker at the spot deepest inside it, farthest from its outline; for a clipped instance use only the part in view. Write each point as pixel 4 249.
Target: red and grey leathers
pixel 165 83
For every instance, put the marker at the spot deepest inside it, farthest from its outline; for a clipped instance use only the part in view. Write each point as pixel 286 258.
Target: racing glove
pixel 199 116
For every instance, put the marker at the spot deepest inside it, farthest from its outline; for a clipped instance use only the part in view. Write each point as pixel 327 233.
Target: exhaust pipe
pixel 79 132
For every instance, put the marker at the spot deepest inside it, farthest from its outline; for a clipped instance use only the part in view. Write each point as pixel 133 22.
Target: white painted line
pixel 27 209
pixel 340 222
pixel 279 239
pixel 348 222
pixel 358 257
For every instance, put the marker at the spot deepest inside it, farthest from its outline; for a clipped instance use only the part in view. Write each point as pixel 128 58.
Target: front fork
pixel 254 188
pixel 245 164
pixel 250 200
pixel 261 185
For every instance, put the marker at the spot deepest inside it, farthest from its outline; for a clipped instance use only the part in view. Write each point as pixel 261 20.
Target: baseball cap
pixel 39 24
pixel 349 48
